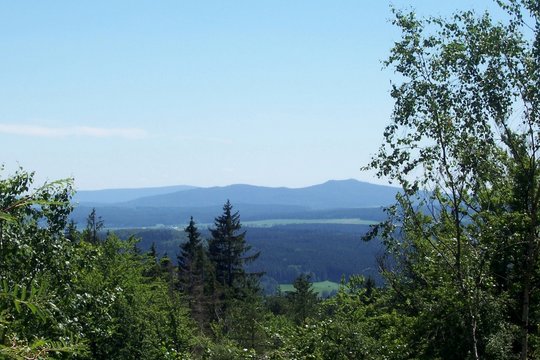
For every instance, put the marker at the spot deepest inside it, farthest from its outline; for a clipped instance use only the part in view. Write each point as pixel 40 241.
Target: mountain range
pixel 331 194
pixel 175 204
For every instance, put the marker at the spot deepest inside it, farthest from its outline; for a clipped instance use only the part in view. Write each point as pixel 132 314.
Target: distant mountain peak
pixel 343 181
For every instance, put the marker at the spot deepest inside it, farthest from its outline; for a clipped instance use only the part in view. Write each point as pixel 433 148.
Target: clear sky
pixel 152 93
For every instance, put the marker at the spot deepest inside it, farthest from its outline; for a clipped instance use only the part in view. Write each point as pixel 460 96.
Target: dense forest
pixel 326 251
pixel 461 265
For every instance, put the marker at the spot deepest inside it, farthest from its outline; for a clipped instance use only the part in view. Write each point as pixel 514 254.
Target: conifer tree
pixel 94 224
pixel 153 267
pixel 167 271
pixel 303 300
pixel 229 252
pixel 192 266
pixel 191 257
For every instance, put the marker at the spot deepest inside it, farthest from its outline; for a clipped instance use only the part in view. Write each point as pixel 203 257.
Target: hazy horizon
pixel 195 186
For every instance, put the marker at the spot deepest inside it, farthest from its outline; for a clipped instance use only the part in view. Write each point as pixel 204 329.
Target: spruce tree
pixel 191 253
pixel 229 252
pixel 153 268
pixel 192 266
pixel 303 300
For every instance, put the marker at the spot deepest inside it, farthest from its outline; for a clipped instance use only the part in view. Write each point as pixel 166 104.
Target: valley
pixel 315 230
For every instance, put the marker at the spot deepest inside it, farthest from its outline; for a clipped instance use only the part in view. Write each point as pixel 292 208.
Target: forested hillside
pixel 326 251
pixel 461 260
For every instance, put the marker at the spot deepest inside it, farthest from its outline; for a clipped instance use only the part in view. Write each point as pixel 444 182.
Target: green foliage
pixel 243 323
pixel 228 253
pixel 462 260
pixel 225 350
pixel 351 325
pixel 61 297
pixel 228 250
pixel 303 300
pixel 463 239
pixel 123 313
pixel 41 348
pixel 194 271
pixel 94 224
pixel 35 268
pixel 322 288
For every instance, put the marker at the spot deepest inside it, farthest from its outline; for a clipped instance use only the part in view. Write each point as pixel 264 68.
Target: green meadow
pixel 277 222
pixel 321 287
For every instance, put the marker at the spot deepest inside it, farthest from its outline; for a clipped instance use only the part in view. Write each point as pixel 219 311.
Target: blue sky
pixel 153 93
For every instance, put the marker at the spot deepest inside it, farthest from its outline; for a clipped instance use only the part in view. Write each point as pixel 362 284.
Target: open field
pixel 276 222
pixel 322 287
pixel 266 223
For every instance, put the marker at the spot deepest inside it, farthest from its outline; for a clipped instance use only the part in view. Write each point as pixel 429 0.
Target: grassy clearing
pixel 320 287
pixel 275 222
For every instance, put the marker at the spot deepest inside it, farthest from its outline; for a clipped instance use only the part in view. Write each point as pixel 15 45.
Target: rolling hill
pixel 169 206
pixel 111 196
pixel 330 195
